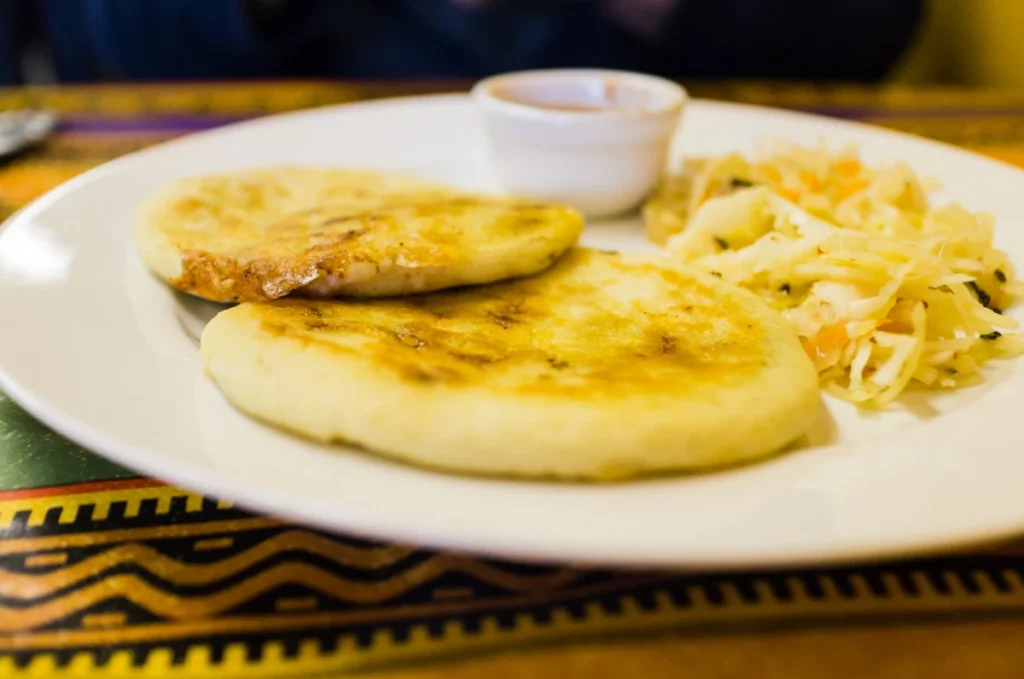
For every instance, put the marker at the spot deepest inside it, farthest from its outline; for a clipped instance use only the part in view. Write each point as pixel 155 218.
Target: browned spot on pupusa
pixel 318 324
pixel 226 279
pixel 528 336
pixel 227 256
pixel 503 320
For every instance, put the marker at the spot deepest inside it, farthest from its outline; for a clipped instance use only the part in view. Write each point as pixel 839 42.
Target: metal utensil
pixel 22 128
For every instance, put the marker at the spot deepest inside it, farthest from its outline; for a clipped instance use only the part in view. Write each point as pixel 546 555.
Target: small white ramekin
pixel 596 140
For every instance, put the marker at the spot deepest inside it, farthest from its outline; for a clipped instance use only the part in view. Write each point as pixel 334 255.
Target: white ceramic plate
pixel 105 354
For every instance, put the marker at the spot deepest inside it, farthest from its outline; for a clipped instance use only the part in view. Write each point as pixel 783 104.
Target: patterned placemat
pixel 104 573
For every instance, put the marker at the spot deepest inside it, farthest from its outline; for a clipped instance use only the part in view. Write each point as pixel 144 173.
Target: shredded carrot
pixel 848 168
pixel 823 348
pixel 770 174
pixel 847 189
pixel 792 195
pixel 810 180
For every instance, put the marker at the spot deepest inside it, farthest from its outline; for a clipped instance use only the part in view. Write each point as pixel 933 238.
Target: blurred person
pixel 87 40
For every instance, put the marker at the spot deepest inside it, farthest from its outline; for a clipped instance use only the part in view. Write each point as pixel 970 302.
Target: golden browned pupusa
pixel 262 234
pixel 602 367
pixel 522 336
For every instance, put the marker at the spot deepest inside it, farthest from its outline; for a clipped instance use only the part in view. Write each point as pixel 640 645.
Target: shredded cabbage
pixel 883 288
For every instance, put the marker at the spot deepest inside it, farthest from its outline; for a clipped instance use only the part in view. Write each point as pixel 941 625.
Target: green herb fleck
pixel 721 243
pixel 982 296
pixel 994 335
pixel 1000 275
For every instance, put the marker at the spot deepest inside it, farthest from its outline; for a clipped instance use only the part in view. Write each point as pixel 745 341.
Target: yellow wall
pixel 970 42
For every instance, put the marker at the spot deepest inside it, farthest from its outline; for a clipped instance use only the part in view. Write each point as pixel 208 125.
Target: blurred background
pixel 951 70
pixel 964 42
pixel 967 42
